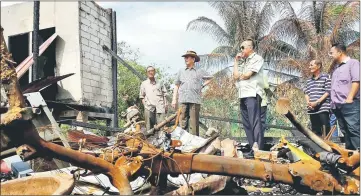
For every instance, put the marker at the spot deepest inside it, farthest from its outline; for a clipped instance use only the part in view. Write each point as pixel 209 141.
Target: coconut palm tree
pixel 291 42
pixel 241 20
pixel 296 39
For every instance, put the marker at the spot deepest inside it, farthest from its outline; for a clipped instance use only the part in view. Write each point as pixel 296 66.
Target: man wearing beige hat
pixel 188 86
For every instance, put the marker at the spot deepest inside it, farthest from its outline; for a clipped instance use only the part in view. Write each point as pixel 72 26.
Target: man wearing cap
pixel 189 83
pixel 153 95
pixel 250 91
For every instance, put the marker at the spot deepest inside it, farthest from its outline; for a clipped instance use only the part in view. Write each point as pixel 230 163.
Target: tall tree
pixel 242 20
pixel 296 39
pixel 287 40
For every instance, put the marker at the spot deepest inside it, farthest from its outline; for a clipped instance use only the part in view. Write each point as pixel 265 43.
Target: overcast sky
pixel 158 29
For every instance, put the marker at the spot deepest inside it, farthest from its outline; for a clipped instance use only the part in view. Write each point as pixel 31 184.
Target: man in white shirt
pixel 250 91
pixel 153 95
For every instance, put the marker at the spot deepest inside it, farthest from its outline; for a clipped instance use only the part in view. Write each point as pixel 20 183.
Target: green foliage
pixel 129 84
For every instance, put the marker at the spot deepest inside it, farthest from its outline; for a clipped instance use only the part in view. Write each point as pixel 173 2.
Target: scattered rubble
pixel 134 160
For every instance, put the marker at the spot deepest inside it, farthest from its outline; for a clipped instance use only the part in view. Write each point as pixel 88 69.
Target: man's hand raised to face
pixel 239 56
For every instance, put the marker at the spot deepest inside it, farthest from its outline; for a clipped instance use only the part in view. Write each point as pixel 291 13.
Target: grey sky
pixel 158 29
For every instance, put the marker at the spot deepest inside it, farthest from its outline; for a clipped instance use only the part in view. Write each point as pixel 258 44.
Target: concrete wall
pixel 18 19
pixel 96 67
pixel 82 28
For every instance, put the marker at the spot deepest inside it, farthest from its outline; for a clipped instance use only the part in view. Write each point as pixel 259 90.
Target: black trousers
pixel 251 118
pixel 319 122
pixel 348 117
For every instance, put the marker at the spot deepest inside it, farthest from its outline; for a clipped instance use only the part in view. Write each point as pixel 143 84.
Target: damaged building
pixel 71 36
pixel 163 160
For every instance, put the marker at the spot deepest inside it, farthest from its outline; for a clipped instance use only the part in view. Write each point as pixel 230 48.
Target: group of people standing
pixel 336 94
pixel 339 94
pixel 187 93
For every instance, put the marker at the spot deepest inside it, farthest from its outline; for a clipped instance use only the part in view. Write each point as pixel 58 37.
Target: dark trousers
pixel 263 118
pixel 190 112
pixel 348 117
pixel 320 122
pixel 152 118
pixel 251 118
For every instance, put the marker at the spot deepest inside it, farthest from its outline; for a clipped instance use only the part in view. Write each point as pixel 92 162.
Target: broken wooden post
pixel 283 107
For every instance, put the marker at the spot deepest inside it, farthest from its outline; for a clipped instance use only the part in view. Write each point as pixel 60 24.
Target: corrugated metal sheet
pixel 40 84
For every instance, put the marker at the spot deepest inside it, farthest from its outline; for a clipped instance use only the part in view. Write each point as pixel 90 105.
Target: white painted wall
pixel 82 28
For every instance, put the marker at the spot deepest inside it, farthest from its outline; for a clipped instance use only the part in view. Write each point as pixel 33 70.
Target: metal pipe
pixel 246 168
pixel 115 70
pixel 36 38
pixel 188 163
pixel 118 175
pixel 130 68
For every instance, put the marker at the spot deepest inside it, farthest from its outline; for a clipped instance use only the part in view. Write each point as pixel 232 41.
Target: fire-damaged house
pixel 165 159
pixel 71 57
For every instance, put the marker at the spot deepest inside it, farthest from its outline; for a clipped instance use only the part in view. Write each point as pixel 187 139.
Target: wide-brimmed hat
pixel 192 54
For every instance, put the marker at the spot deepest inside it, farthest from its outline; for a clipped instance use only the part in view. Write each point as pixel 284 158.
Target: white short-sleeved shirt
pixel 254 85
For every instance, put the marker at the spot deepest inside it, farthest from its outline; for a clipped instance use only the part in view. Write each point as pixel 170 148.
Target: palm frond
pixel 347 36
pixel 264 21
pixel 351 9
pixel 209 26
pixel 228 50
pixel 223 73
pixel 296 31
pixel 306 11
pixel 214 60
pixel 353 49
pixel 223 8
pixel 275 49
pixel 355 44
pixel 287 10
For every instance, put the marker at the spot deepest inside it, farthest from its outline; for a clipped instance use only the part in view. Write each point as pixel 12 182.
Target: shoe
pixel 249 155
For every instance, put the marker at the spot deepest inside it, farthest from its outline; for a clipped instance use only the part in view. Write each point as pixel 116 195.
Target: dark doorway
pixel 47 63
pixel 19 48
